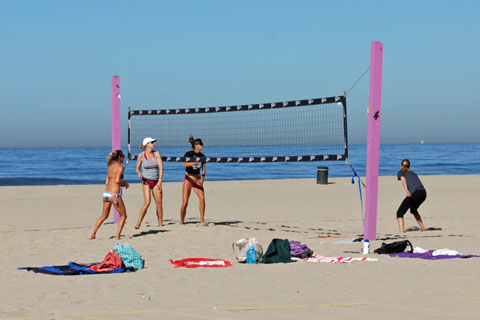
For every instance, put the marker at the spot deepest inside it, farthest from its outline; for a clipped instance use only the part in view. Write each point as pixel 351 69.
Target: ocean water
pixel 56 166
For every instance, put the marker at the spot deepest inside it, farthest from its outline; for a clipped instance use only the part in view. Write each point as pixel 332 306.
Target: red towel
pixel 111 261
pixel 201 262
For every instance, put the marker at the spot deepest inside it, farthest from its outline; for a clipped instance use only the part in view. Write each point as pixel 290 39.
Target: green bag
pixel 278 251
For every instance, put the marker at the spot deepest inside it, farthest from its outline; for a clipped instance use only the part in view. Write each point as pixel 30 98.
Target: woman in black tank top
pixel 194 179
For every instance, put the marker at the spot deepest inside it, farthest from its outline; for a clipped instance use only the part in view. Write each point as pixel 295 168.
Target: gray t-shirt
pixel 413 182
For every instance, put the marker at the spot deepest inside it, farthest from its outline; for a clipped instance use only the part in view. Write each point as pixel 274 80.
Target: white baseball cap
pixel 148 140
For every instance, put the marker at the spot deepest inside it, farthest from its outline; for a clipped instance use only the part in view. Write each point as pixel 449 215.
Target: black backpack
pixel 394 247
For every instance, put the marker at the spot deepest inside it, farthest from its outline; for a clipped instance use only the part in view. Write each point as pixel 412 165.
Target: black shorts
pixel 412 203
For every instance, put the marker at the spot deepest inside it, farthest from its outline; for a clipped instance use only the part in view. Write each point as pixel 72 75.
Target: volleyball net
pixel 287 131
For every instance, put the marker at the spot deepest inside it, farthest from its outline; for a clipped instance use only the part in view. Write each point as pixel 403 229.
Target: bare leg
pixel 146 204
pixel 201 199
pixel 419 221
pixel 158 195
pixel 105 212
pixel 120 206
pixel 401 224
pixel 187 189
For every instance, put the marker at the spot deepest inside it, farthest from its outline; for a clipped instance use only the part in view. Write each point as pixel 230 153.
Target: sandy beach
pixel 50 225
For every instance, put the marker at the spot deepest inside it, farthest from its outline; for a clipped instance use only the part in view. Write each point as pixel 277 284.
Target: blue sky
pixel 57 59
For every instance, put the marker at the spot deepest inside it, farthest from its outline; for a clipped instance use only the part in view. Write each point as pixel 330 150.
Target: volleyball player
pixel 416 195
pixel 194 179
pixel 111 195
pixel 150 170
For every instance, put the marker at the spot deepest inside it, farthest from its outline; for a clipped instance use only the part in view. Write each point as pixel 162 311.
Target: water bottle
pixel 251 255
pixel 366 246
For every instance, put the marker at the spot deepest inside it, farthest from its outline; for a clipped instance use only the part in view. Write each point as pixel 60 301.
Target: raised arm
pixel 189 164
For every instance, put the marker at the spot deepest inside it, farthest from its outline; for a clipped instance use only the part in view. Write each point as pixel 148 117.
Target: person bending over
pixel 194 179
pixel 416 195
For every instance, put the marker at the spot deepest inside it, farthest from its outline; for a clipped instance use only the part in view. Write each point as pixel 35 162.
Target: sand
pixel 50 225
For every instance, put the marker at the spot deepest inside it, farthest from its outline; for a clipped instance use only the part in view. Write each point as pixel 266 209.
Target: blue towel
pixel 71 269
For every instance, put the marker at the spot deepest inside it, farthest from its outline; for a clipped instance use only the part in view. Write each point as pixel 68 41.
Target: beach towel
pixel 71 269
pixel 278 251
pixel 430 255
pixel 130 257
pixel 201 262
pixel 316 258
pixel 111 261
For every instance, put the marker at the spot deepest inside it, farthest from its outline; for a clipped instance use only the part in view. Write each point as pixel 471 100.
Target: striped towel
pixel 316 258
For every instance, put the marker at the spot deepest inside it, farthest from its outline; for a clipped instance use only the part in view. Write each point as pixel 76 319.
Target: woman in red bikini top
pixel 194 178
pixel 150 170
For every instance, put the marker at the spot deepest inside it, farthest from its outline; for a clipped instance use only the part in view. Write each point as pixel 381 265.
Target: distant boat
pixel 421 141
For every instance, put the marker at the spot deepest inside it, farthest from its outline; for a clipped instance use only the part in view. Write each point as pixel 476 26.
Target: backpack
pixel 394 247
pixel 130 257
pixel 299 250
pixel 278 251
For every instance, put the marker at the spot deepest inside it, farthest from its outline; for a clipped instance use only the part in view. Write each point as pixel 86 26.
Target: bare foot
pixel 92 237
pixel 202 224
pixel 160 225
pixel 137 227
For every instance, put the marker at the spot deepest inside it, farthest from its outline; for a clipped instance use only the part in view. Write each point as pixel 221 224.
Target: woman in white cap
pixel 150 170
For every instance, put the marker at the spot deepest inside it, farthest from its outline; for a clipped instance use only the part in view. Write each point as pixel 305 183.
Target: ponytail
pixel 114 156
pixel 194 141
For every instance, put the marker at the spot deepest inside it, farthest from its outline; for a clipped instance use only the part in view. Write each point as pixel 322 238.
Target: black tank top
pixel 195 169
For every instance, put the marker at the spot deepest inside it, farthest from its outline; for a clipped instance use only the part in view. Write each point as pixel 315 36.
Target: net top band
pixel 244 107
pixel 321 157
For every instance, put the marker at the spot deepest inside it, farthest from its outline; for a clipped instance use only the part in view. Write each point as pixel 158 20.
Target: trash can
pixel 322 175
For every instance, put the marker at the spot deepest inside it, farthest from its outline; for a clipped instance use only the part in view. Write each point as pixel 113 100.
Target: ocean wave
pixel 36 181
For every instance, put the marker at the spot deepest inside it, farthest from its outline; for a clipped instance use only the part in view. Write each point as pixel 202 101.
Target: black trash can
pixel 322 175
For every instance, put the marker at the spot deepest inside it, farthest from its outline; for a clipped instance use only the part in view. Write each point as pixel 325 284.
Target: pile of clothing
pixel 123 258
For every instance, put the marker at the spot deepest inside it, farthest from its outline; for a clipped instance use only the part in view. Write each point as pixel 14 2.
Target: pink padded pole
pixel 116 127
pixel 373 141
